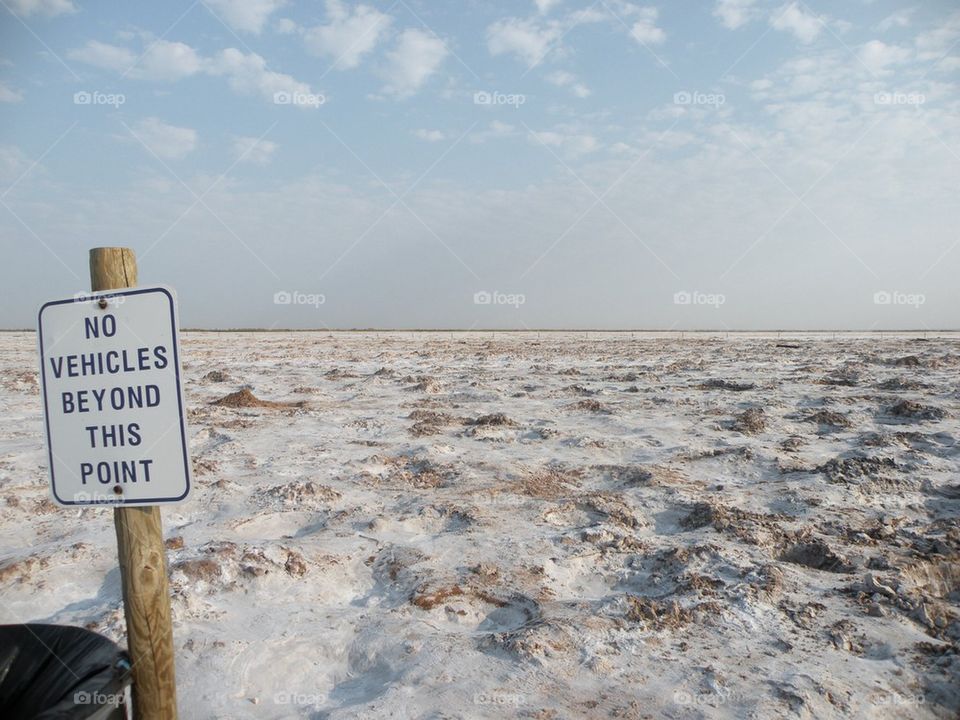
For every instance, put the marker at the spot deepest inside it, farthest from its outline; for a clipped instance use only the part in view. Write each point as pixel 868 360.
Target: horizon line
pixel 923 331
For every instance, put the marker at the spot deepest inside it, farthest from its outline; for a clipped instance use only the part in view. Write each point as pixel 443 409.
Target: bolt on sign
pixel 112 398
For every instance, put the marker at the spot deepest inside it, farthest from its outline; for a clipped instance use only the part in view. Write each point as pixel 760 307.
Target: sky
pixel 723 164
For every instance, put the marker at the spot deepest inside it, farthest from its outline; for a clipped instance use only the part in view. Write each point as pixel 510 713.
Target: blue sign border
pixel 92 297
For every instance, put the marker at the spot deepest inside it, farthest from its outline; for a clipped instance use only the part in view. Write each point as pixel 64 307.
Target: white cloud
pixel 792 18
pixel 645 28
pixel 349 34
pixel 9 95
pixel 532 39
pixel 162 59
pixel 12 163
pixel 102 55
pixel 248 75
pixel 734 13
pixel 526 39
pixel 495 129
pixel 50 8
pixel 167 141
pixel 168 61
pixel 877 55
pixel 254 150
pixel 545 6
pixel 574 144
pixel 561 78
pixel 286 26
pixel 245 15
pixel 901 18
pixel 416 57
pixel 935 43
pixel 429 135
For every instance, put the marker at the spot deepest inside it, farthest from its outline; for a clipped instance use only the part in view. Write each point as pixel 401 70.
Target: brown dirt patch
pixel 246 399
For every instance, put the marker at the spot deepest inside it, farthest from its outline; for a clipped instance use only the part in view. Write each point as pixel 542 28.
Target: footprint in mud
pixel 279 525
pixel 516 613
pixel 207 440
pixel 424 522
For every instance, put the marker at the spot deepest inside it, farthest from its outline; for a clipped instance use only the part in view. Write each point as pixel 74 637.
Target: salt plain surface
pixel 555 525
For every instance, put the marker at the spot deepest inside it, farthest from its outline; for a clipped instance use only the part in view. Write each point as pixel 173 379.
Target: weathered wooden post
pixel 142 555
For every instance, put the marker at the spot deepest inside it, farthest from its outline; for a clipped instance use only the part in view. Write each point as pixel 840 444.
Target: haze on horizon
pixel 734 164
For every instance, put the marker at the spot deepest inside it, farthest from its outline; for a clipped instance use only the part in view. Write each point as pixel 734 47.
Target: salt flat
pixel 555 525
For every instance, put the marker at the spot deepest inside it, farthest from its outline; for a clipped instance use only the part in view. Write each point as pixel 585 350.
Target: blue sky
pixel 717 164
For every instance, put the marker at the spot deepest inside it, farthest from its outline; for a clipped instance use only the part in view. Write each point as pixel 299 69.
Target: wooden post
pixel 142 555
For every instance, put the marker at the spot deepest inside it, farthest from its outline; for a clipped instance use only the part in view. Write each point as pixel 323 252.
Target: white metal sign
pixel 112 398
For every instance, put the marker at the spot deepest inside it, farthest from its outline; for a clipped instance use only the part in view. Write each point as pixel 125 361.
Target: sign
pixel 112 398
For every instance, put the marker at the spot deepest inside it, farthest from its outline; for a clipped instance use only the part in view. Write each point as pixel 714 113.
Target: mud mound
pixel 434 417
pixel 915 411
pixel 615 509
pixel 548 483
pixel 830 418
pixel 199 569
pixel 630 377
pixel 298 495
pixel 721 384
pixel 25 380
pixel 534 640
pixel 338 374
pixel 793 443
pixel 417 473
pixel 428 596
pixel 429 422
pixel 926 591
pixel 498 419
pixel 818 555
pixel 246 399
pixel 424 384
pixel 855 469
pixel 657 615
pixel 845 377
pixel 751 422
pixel 637 475
pixel 938 579
pixel 753 528
pixel 428 599
pixel 594 406
pixel 900 383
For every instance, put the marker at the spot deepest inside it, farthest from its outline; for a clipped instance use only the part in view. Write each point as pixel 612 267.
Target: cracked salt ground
pixel 453 526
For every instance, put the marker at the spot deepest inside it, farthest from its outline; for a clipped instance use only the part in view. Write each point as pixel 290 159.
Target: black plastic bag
pixel 56 672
